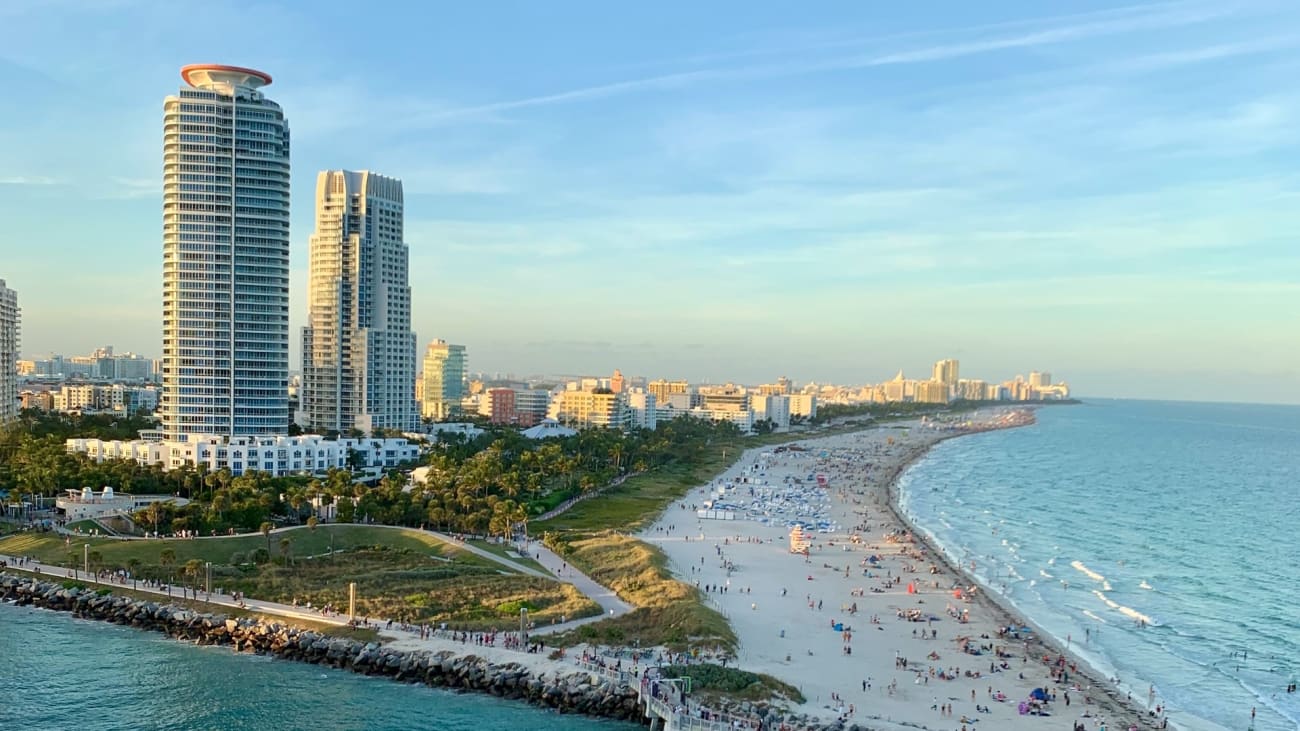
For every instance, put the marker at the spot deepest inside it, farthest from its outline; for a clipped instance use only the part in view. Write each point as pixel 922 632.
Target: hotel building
pixel 358 351
pixel 225 364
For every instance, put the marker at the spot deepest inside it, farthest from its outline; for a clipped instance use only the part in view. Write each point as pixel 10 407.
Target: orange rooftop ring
pixel 200 75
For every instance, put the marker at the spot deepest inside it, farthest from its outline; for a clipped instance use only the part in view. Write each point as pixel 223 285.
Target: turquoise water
pixel 1112 513
pixel 60 673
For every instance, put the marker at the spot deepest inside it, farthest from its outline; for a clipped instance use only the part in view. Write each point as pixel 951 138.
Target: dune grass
pixel 668 612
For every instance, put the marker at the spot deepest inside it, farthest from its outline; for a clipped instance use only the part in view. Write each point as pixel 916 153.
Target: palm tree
pixel 193 569
pixel 266 529
pixel 167 557
pixel 286 550
pixel 311 523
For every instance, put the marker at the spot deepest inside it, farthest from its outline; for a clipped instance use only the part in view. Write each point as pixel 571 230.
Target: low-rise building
pixel 594 408
pixel 85 503
pixel 274 455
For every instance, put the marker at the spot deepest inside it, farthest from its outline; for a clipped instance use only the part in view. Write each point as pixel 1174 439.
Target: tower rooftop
pixel 208 75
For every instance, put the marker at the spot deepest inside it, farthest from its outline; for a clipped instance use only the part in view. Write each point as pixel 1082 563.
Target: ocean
pixel 59 673
pixel 1157 538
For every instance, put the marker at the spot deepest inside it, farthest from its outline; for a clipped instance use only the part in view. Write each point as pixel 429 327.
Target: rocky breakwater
pixel 576 692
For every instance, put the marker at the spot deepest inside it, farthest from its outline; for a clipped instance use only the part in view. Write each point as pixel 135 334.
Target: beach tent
pixel 1039 694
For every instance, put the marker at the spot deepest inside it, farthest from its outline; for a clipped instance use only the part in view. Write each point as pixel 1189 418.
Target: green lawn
pixel 504 552
pixel 639 500
pixel 52 548
pixel 400 574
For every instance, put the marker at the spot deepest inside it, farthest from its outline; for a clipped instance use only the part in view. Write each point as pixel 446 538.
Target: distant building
pixel 642 409
pixel 774 408
pixel 444 380
pixel 616 382
pixel 500 406
pixel 585 409
pixel 803 404
pixel 971 390
pixel 1040 379
pixel 932 392
pixel 663 389
pixel 725 398
pixel 947 372
pixel 531 405
pixel 358 351
pixel 9 340
pixel 547 429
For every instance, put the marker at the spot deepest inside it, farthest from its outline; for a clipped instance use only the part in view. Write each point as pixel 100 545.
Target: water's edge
pixel 1113 701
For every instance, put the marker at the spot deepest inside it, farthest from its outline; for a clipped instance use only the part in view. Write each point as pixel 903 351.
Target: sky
pixel 718 191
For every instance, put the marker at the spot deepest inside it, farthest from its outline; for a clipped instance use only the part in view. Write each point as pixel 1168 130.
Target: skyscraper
pixel 225 364
pixel 358 351
pixel 444 379
pixel 8 353
pixel 946 372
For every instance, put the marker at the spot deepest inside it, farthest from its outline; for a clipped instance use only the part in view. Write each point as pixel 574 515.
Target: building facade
pixel 585 409
pixel 444 380
pixel 225 364
pixel 274 455
pixel 358 351
pixel 9 341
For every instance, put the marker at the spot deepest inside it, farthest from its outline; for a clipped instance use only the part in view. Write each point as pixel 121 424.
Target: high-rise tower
pixel 444 379
pixel 225 364
pixel 358 351
pixel 8 354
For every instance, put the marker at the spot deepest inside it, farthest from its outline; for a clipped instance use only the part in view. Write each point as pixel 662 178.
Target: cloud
pixel 28 180
pixel 1123 20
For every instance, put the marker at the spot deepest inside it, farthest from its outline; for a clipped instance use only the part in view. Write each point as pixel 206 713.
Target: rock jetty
pixel 578 692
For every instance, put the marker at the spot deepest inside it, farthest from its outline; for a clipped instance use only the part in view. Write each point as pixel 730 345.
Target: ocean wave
pixel 1078 566
pixel 1144 585
pixel 1088 613
pixel 1045 575
pixel 1129 612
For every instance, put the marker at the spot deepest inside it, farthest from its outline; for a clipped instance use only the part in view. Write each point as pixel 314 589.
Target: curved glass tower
pixel 225 364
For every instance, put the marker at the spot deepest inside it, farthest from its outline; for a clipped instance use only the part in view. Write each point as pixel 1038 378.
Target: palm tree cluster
pixel 489 484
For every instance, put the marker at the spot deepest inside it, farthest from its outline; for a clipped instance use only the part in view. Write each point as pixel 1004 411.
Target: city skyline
pixel 1098 218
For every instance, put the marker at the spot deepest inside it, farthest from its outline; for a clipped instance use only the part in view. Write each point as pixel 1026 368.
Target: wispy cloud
pixel 28 180
pixel 1056 30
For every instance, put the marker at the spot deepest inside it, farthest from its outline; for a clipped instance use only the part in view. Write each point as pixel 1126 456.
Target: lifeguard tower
pixel 799 541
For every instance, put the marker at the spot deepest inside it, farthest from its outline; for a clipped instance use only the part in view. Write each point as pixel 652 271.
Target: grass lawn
pixel 639 500
pixel 504 550
pixel 400 574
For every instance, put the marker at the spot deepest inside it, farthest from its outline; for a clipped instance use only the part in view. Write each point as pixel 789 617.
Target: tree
pixel 311 523
pixel 286 550
pixel 194 569
pixel 266 529
pixel 167 557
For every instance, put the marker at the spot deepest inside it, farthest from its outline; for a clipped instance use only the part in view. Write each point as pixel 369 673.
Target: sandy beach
pixel 872 624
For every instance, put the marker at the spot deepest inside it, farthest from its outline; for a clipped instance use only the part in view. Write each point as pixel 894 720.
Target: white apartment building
pixel 803 404
pixel 9 339
pixel 358 351
pixel 274 455
pixel 642 411
pixel 585 409
pixel 771 407
pixel 225 363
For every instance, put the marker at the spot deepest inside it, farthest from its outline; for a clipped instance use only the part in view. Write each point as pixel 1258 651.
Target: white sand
pixel 784 636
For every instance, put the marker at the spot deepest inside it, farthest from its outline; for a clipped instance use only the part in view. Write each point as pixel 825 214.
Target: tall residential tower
pixel 8 354
pixel 225 364
pixel 358 351
pixel 444 379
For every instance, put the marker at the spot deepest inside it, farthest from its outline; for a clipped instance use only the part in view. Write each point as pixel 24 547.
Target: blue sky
pixel 724 190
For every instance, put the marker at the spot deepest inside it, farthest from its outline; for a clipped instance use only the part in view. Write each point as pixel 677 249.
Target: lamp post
pixel 85 553
pixel 207 584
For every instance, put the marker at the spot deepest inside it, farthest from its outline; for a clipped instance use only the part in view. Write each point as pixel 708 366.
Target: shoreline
pixel 854 515
pixel 1000 605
